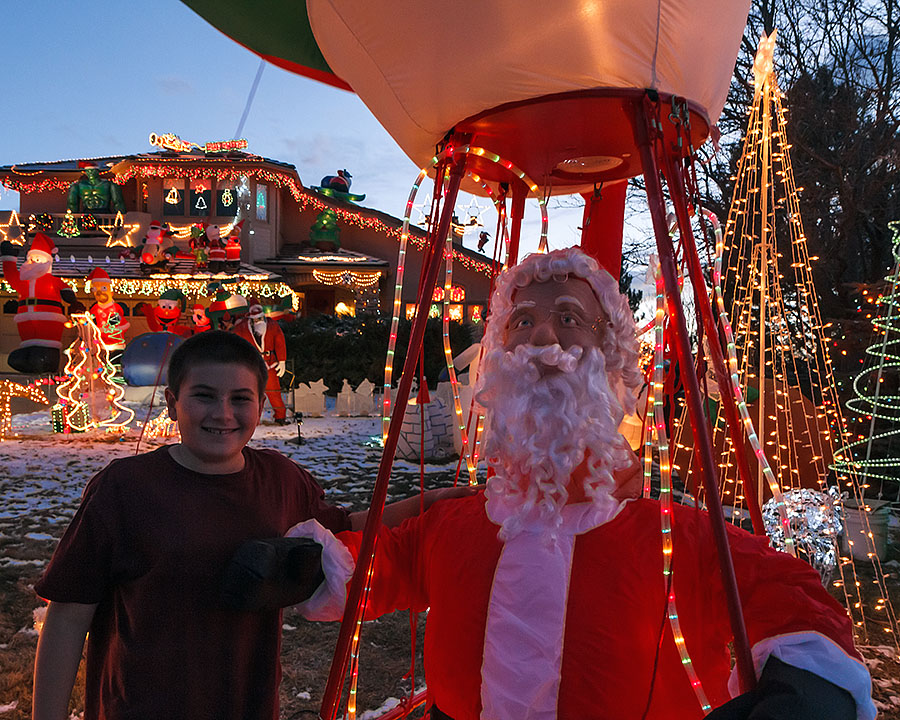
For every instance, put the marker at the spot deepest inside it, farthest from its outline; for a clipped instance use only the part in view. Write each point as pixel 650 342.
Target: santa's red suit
pixel 272 347
pixel 530 629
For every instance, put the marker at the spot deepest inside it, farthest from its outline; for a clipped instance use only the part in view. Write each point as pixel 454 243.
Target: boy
pixel 142 564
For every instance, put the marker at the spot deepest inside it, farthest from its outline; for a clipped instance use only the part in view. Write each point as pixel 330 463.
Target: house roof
pixel 114 163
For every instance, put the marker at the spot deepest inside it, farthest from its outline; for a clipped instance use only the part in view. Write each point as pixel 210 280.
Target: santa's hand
pixel 280 368
pixel 68 295
pixel 8 249
pixel 786 692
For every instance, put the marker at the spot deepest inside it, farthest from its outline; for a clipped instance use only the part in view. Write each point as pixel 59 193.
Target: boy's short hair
pixel 216 346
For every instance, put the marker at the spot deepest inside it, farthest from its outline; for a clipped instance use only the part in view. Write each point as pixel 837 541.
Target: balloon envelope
pixel 425 68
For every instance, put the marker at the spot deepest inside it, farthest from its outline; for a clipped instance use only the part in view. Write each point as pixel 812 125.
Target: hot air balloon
pixel 528 99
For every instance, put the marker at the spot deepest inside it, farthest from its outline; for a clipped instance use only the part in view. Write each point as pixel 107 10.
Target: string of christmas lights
pixel 657 428
pixel 781 340
pixel 90 376
pixel 9 390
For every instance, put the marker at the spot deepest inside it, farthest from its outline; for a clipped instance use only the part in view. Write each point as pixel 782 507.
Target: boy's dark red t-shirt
pixel 149 544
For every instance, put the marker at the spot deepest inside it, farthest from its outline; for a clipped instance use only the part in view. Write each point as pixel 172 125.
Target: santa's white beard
pixel 541 426
pixel 32 270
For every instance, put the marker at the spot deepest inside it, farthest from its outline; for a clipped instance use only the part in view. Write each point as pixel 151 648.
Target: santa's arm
pixel 9 253
pixel 792 619
pixel 397 580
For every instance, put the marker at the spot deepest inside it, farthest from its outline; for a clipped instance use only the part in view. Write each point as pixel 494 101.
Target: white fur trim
pixel 39 342
pixel 523 641
pixel 26 313
pixel 817 654
pixel 327 602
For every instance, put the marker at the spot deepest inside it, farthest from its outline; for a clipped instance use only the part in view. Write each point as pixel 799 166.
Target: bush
pixel 335 348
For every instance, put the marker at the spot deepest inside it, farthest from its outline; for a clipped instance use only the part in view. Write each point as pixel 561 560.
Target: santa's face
pixel 102 292
pixel 36 264
pixel 257 318
pixel 564 313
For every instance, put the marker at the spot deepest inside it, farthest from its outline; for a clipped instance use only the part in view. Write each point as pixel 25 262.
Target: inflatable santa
pixel 267 336
pixel 545 592
pixel 40 317
pixel 109 316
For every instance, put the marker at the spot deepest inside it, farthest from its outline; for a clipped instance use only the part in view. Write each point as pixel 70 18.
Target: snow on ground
pixel 42 473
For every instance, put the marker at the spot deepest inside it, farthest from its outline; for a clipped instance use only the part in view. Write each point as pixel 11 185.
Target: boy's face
pixel 217 409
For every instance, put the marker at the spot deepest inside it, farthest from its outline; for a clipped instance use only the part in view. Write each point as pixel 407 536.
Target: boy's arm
pixel 397 512
pixel 58 655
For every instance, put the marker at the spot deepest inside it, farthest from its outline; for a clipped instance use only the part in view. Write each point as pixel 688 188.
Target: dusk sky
pixel 95 78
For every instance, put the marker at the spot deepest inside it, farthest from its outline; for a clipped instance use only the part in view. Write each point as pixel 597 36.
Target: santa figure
pixel 39 318
pixel 267 336
pixel 199 321
pixel 545 592
pixel 217 253
pixel 109 316
pixel 233 247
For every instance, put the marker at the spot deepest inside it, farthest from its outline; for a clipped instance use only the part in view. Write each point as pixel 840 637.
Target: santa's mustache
pixel 32 270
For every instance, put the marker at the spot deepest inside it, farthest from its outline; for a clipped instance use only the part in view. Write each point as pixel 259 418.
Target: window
pixel 262 202
pixel 173 196
pixel 201 197
pixel 226 200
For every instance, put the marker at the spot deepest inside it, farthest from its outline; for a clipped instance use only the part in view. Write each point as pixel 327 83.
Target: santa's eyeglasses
pixel 526 317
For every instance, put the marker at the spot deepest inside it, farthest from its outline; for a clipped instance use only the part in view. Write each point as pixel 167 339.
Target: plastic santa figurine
pixel 267 336
pixel 545 592
pixel 109 316
pixel 39 318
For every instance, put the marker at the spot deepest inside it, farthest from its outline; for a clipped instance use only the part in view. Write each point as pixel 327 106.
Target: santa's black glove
pixel 786 692
pixel 8 249
pixel 273 573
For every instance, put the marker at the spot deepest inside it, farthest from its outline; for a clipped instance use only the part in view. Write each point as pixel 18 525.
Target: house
pixel 302 249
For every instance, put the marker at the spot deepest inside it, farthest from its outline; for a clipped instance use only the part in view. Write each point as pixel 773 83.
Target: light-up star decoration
pixel 13 231
pixel 764 63
pixel 9 390
pixel 120 232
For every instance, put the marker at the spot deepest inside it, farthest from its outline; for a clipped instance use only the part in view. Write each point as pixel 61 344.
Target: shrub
pixel 335 348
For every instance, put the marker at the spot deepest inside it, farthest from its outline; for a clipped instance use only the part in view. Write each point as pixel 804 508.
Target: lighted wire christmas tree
pixel 877 392
pixel 793 420
pixel 90 397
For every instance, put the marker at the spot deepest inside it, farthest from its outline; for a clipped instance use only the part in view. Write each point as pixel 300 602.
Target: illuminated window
pixel 410 310
pixel 456 312
pixel 173 196
pixel 201 197
pixel 226 200
pixel 476 314
pixel 262 202
pixel 434 311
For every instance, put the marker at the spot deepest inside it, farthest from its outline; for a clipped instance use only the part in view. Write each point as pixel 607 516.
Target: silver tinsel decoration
pixel 816 521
